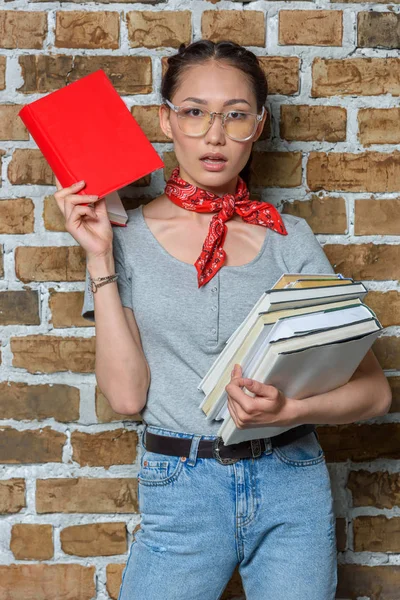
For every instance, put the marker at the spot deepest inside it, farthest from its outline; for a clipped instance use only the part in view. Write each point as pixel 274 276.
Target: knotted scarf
pixel 194 198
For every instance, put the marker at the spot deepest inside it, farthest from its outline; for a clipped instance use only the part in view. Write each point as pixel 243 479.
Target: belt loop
pixel 143 436
pixel 268 446
pixel 193 450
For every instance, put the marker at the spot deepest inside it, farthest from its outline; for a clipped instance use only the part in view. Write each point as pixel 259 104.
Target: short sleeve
pixel 124 281
pixel 307 255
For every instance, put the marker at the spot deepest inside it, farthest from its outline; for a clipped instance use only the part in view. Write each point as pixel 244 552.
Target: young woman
pixel 186 280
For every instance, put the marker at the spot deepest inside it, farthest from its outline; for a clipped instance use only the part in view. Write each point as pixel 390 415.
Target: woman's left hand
pixel 269 406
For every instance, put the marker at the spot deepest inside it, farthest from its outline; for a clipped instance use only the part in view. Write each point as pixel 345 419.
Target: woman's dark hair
pixel 235 55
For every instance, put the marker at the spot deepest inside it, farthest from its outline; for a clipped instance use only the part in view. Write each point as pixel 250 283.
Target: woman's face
pixel 214 83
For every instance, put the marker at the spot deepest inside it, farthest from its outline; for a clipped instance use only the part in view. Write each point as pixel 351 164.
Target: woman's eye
pixel 236 116
pixel 193 112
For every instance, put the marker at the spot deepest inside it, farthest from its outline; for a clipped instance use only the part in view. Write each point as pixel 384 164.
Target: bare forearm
pixel 362 398
pixel 121 367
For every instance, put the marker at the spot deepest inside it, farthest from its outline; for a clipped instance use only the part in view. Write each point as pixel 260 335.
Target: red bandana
pixel 189 196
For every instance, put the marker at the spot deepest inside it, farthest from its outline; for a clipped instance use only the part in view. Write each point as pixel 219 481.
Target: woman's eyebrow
pixel 227 103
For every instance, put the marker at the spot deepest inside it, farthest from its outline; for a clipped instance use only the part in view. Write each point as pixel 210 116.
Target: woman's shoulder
pixel 295 227
pixel 148 208
pixel 157 208
pixel 293 222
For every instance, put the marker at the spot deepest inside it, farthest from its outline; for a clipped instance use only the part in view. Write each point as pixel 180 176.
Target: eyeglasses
pixel 195 122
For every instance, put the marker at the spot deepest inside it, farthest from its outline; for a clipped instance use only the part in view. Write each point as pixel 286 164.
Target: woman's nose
pixel 216 130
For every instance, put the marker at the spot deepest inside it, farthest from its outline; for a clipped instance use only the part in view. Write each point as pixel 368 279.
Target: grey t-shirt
pixel 184 328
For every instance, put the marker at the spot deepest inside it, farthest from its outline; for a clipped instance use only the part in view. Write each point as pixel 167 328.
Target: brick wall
pixel 68 464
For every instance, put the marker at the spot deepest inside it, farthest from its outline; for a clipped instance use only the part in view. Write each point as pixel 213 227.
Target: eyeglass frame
pixel 212 118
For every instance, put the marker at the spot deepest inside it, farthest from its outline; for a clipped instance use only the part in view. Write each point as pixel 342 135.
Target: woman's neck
pixel 228 187
pixel 169 210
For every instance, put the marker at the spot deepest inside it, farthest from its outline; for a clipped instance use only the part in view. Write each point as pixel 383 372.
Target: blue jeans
pixel 272 516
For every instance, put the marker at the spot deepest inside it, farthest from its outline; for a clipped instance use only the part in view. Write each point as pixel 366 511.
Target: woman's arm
pixel 122 371
pixel 365 396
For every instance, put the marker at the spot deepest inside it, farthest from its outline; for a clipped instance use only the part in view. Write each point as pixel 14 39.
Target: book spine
pixel 47 147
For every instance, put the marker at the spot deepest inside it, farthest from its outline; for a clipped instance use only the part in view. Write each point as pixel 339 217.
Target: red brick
pixel 47 582
pixel 50 263
pixel 19 307
pixel 12 496
pixel 311 27
pixel 22 29
pixel 313 123
pixel 32 542
pixel 95 539
pixel 364 172
pixel 52 354
pixel 107 495
pixel 31 446
pixel 355 77
pixel 104 449
pixel 84 29
pixel 245 27
pixel 152 29
pixel 21 401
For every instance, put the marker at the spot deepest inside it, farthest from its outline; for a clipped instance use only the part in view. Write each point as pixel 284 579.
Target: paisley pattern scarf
pixel 191 197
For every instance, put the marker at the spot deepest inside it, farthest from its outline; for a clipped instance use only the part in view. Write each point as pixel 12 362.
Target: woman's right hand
pixel 89 226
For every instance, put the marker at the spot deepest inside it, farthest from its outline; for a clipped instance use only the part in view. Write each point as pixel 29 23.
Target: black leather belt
pixel 177 446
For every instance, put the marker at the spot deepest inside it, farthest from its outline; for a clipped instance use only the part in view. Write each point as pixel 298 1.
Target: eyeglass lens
pixel 196 121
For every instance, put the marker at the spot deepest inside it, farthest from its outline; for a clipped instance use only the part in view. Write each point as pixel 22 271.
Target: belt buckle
pixel 216 453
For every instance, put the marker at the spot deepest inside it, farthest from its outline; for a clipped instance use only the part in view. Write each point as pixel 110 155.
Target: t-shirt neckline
pixel 177 260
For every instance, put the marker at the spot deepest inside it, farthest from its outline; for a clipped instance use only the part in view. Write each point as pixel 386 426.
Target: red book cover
pixel 85 131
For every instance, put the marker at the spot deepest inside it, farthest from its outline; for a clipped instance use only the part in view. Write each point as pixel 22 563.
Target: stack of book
pixel 305 336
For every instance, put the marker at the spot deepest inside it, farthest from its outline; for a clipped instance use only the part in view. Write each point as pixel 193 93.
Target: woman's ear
pixel 260 125
pixel 163 113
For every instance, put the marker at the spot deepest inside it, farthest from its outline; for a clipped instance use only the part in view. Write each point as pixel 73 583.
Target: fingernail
pixel 79 182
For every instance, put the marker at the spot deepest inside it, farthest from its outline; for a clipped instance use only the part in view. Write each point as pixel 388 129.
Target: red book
pixel 85 131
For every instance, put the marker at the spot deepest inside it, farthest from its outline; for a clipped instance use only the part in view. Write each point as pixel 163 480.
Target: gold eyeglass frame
pixel 212 117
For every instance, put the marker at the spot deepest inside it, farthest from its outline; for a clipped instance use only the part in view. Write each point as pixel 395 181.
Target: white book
pixel 215 400
pixel 291 327
pixel 273 300
pixel 295 325
pixel 280 285
pixel 306 366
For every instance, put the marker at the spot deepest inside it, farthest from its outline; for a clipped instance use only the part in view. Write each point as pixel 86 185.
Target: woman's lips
pixel 213 165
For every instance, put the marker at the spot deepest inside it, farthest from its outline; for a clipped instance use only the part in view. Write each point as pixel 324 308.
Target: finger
pixel 78 185
pixel 61 194
pixel 58 184
pixel 233 412
pixel 237 371
pixel 81 211
pixel 101 207
pixel 261 389
pixel 72 200
pixel 240 397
